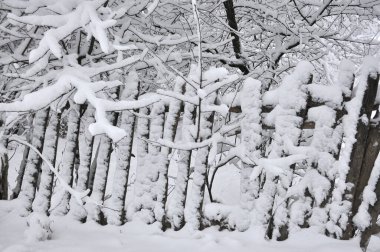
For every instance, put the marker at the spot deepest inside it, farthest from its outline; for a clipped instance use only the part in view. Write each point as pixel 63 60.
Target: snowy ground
pixel 69 235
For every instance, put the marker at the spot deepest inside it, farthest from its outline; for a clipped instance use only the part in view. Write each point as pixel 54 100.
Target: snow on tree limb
pixel 85 15
pixel 216 138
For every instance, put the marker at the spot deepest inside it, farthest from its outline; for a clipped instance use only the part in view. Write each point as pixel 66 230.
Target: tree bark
pixel 231 17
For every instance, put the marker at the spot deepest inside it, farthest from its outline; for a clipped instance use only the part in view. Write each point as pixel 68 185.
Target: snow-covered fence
pixel 325 125
pixel 363 154
pixel 296 143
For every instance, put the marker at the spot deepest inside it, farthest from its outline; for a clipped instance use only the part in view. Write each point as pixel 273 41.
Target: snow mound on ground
pixel 17 248
pixel 229 217
pixel 38 228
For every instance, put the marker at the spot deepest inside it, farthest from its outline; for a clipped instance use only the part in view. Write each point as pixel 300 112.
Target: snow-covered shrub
pixel 227 217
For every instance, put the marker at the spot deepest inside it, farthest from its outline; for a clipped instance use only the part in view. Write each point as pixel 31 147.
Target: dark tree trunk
pixel 231 17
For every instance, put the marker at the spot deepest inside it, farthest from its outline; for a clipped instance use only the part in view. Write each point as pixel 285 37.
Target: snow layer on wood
pixel 346 76
pixel 250 97
pixel 124 154
pixel 177 208
pixel 331 94
pixel 290 87
pixel 363 218
pixel 339 208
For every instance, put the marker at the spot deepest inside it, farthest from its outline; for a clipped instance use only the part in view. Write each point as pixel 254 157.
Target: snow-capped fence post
pixel 86 143
pixel 170 130
pixel 357 177
pixel 68 158
pixel 183 174
pixel 142 133
pixel 284 229
pixel 201 164
pixel 346 79
pixel 147 170
pixel 4 160
pixel 155 157
pixel 325 138
pixel 4 166
pixel 21 171
pixel 29 183
pixel 124 152
pixel 42 202
pixel 251 135
pixel 288 119
pixel 371 209
pixel 101 173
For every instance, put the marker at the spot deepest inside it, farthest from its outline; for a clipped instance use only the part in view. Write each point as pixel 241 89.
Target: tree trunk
pixel 231 17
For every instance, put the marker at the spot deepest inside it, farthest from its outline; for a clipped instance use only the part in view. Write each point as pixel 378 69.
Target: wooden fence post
pixel 353 193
